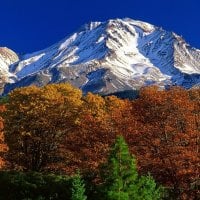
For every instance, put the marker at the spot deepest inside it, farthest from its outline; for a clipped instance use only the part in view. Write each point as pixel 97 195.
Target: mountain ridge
pixel 112 56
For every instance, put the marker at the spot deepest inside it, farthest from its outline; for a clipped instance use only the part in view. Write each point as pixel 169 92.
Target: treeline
pixel 57 129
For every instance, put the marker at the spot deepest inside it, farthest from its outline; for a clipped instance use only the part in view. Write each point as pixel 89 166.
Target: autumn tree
pixel 168 144
pixel 120 116
pixel 36 121
pixel 88 144
pixel 3 146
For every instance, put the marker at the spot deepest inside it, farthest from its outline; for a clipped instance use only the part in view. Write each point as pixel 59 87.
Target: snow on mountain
pixel 112 56
pixel 7 58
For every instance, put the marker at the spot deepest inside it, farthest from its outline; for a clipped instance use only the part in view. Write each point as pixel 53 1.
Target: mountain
pixel 108 57
pixel 7 58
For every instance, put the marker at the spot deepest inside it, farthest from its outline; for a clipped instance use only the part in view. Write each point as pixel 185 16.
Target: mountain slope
pixel 7 58
pixel 112 56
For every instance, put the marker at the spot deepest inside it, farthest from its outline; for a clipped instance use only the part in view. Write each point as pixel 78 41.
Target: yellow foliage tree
pixel 36 121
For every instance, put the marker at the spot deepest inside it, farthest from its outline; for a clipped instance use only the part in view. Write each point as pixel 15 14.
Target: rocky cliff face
pixel 112 56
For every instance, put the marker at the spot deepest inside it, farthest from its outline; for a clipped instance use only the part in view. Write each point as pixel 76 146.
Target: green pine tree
pixel 121 180
pixel 148 189
pixel 78 188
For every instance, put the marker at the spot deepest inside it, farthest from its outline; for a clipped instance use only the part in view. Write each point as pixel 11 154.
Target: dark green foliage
pixel 34 186
pixel 148 189
pixel 3 100
pixel 127 94
pixel 78 188
pixel 122 181
pixel 120 172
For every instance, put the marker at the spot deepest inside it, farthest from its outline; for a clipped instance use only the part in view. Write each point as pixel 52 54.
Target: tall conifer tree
pixel 78 188
pixel 122 181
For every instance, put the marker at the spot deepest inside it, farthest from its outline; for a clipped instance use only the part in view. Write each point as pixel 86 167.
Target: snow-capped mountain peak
pixel 111 56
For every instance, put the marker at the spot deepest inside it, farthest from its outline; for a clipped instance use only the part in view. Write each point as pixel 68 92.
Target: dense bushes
pixel 34 186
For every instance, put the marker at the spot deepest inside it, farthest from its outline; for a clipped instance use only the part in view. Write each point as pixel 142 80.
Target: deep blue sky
pixel 30 25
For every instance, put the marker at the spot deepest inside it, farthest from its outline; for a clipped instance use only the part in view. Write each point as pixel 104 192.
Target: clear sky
pixel 31 25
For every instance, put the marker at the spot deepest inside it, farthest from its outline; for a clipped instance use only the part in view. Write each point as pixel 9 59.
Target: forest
pixel 56 143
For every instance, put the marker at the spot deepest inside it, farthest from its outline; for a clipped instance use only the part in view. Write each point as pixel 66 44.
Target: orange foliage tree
pixel 3 146
pixel 89 143
pixel 36 120
pixel 168 145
